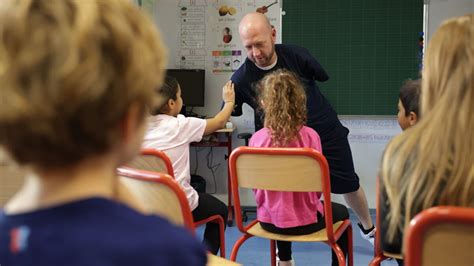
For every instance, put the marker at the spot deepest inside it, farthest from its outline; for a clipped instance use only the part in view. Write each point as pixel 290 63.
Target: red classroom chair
pixel 156 160
pixel 285 169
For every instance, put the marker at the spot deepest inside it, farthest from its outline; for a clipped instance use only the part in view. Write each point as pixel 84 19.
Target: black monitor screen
pixel 191 82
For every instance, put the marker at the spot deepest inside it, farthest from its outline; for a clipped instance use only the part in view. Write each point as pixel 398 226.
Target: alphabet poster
pixel 209 36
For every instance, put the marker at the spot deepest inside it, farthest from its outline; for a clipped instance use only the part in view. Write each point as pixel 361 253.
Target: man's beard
pixel 266 60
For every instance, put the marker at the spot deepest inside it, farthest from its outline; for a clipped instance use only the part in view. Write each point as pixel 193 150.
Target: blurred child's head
pixel 169 97
pixel 283 100
pixel 408 102
pixel 75 79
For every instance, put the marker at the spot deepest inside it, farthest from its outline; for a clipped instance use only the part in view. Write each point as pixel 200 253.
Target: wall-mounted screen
pixel 192 85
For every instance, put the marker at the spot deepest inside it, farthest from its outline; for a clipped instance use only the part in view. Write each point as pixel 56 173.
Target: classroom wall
pixel 369 134
pixel 439 10
pixel 368 137
pixel 366 151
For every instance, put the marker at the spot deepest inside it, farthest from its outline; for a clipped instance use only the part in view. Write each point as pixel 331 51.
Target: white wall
pixel 439 10
pixel 368 137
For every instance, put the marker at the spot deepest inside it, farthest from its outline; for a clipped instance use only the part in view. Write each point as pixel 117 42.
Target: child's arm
pixel 221 118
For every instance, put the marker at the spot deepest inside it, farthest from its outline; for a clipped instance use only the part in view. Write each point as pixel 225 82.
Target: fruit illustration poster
pixel 209 36
pixel 227 53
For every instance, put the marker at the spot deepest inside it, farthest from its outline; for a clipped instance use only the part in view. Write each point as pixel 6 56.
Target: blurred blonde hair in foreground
pixel 69 71
pixel 432 163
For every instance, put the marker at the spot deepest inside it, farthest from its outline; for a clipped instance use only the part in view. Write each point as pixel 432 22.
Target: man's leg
pixel 357 201
pixel 344 179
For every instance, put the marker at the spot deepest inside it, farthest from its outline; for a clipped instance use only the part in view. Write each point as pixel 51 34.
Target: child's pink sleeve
pixel 317 143
pixel 314 139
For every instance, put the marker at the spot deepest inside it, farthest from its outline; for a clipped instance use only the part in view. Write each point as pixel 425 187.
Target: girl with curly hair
pixel 282 99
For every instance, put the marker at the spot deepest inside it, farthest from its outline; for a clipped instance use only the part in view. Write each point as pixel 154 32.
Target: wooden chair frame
pixel 247 164
pixel 161 162
pixel 379 254
pixel 450 220
pixel 167 181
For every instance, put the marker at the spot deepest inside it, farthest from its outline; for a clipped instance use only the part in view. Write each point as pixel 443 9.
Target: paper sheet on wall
pixel 371 130
pixel 209 33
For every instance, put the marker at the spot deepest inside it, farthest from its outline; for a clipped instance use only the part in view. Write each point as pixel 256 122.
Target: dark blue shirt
pixel 94 231
pixel 321 115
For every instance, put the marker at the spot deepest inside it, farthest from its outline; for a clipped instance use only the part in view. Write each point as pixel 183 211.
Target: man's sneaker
pixel 368 234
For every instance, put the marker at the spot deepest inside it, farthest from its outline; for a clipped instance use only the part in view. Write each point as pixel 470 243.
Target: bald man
pixel 264 56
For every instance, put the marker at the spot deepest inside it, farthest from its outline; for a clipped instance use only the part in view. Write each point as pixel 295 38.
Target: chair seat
pixel 213 260
pixel 318 236
pixel 393 255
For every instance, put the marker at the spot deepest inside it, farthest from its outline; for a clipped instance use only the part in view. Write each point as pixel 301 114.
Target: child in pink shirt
pixel 283 101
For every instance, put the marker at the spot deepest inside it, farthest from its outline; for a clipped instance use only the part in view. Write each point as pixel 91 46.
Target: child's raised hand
pixel 228 94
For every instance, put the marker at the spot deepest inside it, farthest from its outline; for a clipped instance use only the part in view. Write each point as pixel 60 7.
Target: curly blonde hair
pixel 69 72
pixel 282 99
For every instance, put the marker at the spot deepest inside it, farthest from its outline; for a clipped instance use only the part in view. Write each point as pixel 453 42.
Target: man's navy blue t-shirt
pixel 94 231
pixel 321 115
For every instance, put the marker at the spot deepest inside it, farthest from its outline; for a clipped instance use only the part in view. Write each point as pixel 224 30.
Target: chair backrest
pixel 379 254
pixel 442 235
pixel 279 169
pixel 378 222
pixel 152 160
pixel 158 194
pixel 273 169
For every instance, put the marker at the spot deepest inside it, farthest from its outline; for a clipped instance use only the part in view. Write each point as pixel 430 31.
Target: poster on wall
pixel 148 5
pixel 227 53
pixel 192 34
pixel 209 37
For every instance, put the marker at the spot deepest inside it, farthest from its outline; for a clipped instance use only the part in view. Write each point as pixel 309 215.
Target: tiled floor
pixel 255 251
